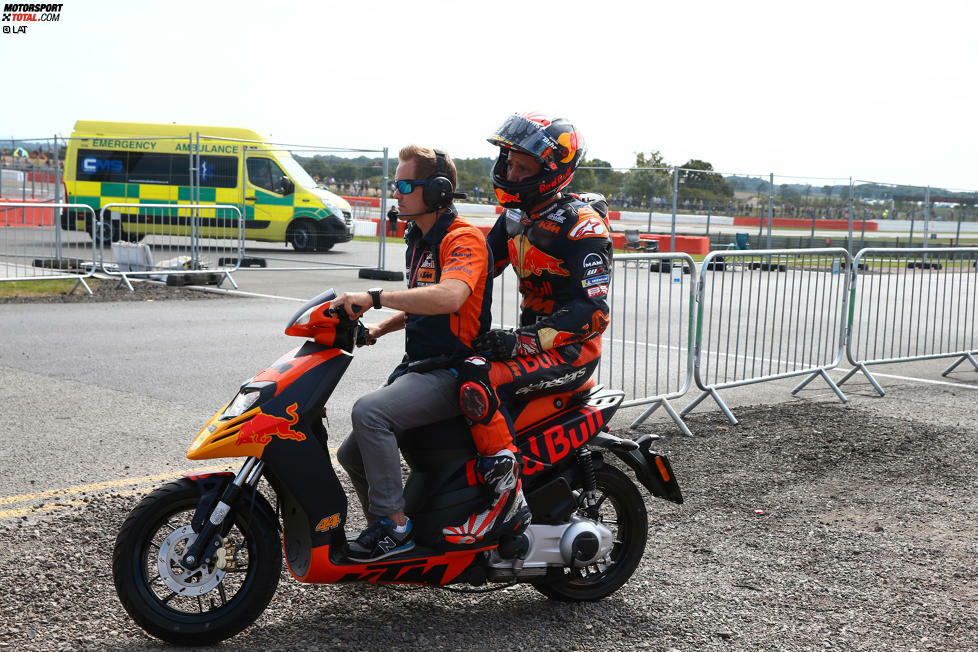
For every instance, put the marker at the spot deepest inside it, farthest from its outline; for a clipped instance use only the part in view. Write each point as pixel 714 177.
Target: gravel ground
pixel 112 291
pixel 808 526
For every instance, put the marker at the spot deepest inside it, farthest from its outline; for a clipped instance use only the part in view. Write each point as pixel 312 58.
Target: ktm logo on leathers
pixel 262 427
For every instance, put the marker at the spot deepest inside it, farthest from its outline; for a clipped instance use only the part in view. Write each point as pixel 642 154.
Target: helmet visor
pixel 527 136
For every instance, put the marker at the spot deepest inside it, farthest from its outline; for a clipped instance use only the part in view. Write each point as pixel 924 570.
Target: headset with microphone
pixel 436 193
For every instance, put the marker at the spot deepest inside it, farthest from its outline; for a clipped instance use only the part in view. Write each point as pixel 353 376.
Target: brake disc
pixel 178 579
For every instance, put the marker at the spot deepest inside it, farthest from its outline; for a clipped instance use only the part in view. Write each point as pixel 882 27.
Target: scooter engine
pixel 577 543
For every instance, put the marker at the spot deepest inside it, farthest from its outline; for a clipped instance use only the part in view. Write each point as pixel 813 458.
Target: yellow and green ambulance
pixel 142 163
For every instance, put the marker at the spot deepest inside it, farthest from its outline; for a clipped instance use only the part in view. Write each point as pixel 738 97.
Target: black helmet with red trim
pixel 554 142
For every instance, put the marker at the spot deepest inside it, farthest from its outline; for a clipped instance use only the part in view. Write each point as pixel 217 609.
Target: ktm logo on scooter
pixel 261 427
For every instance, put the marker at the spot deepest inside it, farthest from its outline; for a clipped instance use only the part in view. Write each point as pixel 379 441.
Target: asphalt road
pixel 864 540
pixel 102 391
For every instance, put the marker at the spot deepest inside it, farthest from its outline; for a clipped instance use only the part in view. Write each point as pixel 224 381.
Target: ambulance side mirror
pixel 285 186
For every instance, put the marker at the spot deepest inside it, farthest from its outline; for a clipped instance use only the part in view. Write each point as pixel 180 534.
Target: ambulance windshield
pixel 296 172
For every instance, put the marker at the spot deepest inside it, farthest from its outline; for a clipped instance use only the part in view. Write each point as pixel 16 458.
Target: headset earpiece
pixel 438 189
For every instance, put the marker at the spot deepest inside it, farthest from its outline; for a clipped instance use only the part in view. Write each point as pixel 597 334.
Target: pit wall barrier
pixel 912 304
pixel 766 315
pixel 31 213
pixel 796 223
pixel 34 247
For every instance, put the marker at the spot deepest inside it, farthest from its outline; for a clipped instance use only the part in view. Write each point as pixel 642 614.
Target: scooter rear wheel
pixel 207 604
pixel 621 508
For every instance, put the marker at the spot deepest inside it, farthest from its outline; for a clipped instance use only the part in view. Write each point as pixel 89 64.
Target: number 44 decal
pixel 328 523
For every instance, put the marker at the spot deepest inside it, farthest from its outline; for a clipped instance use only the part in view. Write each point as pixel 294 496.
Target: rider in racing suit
pixel 560 248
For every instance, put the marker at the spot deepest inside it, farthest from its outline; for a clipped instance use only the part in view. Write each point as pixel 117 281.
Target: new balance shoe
pixel 381 540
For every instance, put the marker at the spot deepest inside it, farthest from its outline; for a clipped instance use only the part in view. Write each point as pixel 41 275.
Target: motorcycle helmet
pixel 554 142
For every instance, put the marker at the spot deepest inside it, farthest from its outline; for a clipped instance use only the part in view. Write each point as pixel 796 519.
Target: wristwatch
pixel 375 295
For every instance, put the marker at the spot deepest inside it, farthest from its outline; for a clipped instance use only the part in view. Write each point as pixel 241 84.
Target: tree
pixel 472 173
pixel 698 181
pixel 644 184
pixel 788 195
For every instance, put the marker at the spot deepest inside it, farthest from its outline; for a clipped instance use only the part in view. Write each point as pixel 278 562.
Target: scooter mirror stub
pixel 322 297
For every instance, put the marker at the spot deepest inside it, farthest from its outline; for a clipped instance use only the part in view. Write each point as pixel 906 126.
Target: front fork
pixel 208 542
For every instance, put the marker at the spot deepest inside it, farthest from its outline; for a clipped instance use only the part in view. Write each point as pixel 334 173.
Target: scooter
pixel 198 560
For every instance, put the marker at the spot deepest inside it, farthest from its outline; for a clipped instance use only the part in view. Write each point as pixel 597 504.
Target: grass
pixel 39 288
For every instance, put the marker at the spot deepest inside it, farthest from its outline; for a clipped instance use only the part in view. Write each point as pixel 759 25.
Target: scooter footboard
pixel 439 499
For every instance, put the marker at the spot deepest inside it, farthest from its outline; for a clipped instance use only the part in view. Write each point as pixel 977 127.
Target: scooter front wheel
pixel 207 604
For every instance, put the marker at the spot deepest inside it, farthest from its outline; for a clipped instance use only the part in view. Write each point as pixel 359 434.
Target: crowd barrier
pixel 912 304
pixel 766 315
pixel 738 318
pixel 163 240
pixel 34 247
pixel 646 348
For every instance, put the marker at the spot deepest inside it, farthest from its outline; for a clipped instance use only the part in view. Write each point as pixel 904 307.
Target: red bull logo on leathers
pixel 530 261
pixel 262 427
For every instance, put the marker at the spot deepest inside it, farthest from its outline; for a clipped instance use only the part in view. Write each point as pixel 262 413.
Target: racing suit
pixel 562 256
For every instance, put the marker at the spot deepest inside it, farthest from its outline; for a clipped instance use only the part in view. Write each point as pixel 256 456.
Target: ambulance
pixel 142 163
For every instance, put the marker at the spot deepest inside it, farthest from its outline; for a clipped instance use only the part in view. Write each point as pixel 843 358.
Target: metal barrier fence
pixel 769 314
pixel 174 240
pixel 646 350
pixel 912 304
pixel 25 179
pixel 34 247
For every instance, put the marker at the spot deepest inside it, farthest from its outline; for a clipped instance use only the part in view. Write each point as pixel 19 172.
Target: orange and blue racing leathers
pixel 562 256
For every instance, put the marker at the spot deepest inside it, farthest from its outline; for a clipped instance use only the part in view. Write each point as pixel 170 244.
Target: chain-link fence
pixel 29 169
pixel 781 211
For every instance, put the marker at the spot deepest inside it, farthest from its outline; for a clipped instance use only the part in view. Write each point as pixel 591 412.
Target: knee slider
pixel 476 396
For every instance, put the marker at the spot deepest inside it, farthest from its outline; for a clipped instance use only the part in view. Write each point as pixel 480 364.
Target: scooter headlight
pixel 241 403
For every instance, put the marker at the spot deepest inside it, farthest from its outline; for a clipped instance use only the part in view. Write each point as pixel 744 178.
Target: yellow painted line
pixel 49 509
pixel 65 492
pixel 26 511
pixel 108 484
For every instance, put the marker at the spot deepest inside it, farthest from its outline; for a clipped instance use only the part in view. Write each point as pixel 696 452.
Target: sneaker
pixel 380 540
pixel 507 514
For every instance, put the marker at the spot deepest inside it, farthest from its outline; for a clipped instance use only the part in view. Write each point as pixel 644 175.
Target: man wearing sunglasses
pixel 445 307
pixel 560 248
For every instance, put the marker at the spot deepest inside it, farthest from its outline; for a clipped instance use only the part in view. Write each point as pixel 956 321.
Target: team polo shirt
pixel 452 248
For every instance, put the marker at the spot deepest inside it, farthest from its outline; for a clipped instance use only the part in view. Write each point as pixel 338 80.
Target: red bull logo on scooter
pixel 262 427
pixel 530 261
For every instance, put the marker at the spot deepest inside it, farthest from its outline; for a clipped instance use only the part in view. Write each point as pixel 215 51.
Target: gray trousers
pixel 370 453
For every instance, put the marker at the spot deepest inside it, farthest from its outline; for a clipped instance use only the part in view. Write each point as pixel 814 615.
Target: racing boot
pixel 507 514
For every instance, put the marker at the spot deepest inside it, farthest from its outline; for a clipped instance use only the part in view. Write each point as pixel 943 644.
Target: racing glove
pixel 504 343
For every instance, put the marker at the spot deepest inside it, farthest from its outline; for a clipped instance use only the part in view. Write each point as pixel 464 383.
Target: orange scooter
pixel 199 559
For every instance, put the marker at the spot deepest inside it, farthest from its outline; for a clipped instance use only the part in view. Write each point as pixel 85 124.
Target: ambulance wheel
pixel 102 233
pixel 303 235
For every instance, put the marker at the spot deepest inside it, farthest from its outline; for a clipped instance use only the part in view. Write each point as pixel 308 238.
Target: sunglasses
pixel 407 186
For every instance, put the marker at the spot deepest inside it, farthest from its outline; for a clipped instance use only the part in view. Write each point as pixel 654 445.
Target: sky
pixel 881 91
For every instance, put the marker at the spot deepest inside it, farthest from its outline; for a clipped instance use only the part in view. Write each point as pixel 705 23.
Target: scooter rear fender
pixel 651 468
